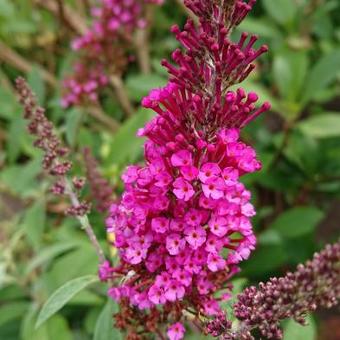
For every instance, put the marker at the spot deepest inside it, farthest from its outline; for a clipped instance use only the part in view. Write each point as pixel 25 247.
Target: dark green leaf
pixel 321 75
pixel 297 221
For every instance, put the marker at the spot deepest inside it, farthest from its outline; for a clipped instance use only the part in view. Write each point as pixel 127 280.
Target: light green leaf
pixel 104 329
pixel 73 119
pixel 12 311
pixel 282 11
pixel 321 75
pixel 7 8
pixel 125 146
pixel 326 125
pixel 139 85
pixel 297 221
pixel 294 331
pixel 56 325
pixel 47 254
pixel 37 84
pixel 290 69
pixel 34 223
pixel 62 295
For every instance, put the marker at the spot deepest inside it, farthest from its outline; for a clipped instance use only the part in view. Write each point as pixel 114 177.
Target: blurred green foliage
pixel 296 193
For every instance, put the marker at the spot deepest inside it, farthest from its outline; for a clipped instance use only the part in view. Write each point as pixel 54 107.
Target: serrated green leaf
pixel 62 295
pixel 297 221
pixel 104 329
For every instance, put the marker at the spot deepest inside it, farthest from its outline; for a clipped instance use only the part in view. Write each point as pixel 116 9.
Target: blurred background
pixel 297 194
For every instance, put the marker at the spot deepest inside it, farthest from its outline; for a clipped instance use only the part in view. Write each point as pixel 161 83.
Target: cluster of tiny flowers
pixel 103 48
pixel 313 285
pixel 101 190
pixel 54 160
pixel 183 224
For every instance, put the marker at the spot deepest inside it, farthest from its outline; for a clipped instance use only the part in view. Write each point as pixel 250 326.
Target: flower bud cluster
pixel 54 161
pixel 313 285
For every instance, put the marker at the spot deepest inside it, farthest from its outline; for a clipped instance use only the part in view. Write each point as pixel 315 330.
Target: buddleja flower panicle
pixel 184 221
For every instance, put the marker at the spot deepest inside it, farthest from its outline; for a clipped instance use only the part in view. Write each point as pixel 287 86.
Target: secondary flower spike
pixel 184 221
pixel 103 48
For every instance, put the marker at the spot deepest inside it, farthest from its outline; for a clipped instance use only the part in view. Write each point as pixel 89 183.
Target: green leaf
pixel 34 223
pixel 265 259
pixel 125 146
pixel 139 85
pixel 321 75
pixel 73 119
pixel 326 125
pixel 56 325
pixel 297 221
pixel 282 11
pixel 290 69
pixel 12 311
pixel 37 84
pixel 62 295
pixel 295 331
pixel 104 329
pixel 47 254
pixel 7 8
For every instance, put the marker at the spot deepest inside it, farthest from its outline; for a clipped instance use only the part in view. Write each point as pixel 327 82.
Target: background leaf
pixel 297 221
pixel 62 295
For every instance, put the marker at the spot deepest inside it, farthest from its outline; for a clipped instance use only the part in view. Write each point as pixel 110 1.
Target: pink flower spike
pixel 181 158
pixel 174 244
pixel 183 190
pixel 160 224
pixel 195 236
pixel 176 331
pixel 213 188
pixel 174 291
pixel 208 171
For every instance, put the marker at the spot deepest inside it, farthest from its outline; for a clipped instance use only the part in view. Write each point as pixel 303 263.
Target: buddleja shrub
pixel 183 223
